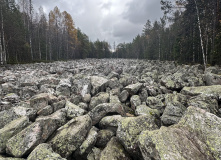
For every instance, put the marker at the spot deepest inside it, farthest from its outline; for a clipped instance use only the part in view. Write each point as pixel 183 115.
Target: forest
pixel 189 32
pixel 32 36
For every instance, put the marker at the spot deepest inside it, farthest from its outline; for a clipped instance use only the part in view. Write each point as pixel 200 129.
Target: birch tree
pixel 3 57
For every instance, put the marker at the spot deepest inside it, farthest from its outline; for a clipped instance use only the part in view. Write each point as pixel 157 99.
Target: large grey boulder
pixel 155 103
pixel 7 116
pixel 124 96
pixel 135 101
pixel 197 136
pixel 4 105
pixel 110 122
pixel 176 97
pixel 101 110
pixel 8 88
pixel 10 130
pixel 59 117
pixel 87 145
pixel 44 151
pixel 207 103
pixel 99 84
pixel 173 113
pixel 127 80
pixel 172 143
pixel 133 88
pixel 69 137
pixel 45 111
pixel 64 88
pixel 206 126
pixel 94 154
pixel 25 111
pixel 81 84
pixel 207 91
pixel 114 83
pixel 58 105
pixel 42 100
pixel 25 141
pixel 145 110
pixel 143 95
pixel 100 98
pixel 39 101
pixel 212 69
pixel 129 130
pixel 76 99
pixel 114 151
pixel 73 110
pixel 12 97
pixel 28 91
pixel 104 137
pixel 212 79
pixel 50 80
pixel 170 83
pixel 114 99
pixel 86 98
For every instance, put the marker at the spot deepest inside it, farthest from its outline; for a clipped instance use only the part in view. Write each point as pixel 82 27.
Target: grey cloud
pixel 126 31
pixel 139 11
pixel 110 20
pixel 106 5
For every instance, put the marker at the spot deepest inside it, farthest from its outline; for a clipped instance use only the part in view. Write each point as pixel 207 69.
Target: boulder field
pixel 110 109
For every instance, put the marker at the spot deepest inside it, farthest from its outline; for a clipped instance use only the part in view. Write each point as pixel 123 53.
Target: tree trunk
pixel 46 47
pixel 39 43
pixel 159 47
pixel 29 12
pixel 2 44
pixel 1 50
pixel 193 36
pixel 201 38
pixel 50 49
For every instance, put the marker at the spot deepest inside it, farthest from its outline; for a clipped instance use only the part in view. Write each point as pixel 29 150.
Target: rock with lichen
pixel 69 137
pixel 73 110
pixel 101 110
pixel 10 130
pixel 114 150
pixel 104 137
pixel 7 116
pixel 25 141
pixel 87 145
pixel 64 87
pixel 44 151
pixel 42 100
pixel 133 88
pixel 110 122
pixel 213 91
pixel 173 113
pixel 10 158
pixel 196 136
pixel 94 154
pixel 130 128
pixel 98 84
pixel 100 98
pixel 135 101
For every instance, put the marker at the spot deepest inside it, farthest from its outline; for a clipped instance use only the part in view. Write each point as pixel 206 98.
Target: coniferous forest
pixel 189 32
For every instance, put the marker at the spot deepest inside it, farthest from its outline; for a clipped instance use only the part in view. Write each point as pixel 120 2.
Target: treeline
pixel 27 35
pixel 189 32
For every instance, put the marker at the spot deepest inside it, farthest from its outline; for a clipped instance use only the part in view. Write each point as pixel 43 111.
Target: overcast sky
pixel 110 20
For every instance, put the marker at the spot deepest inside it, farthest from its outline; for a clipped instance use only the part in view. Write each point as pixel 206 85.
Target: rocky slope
pixel 110 109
